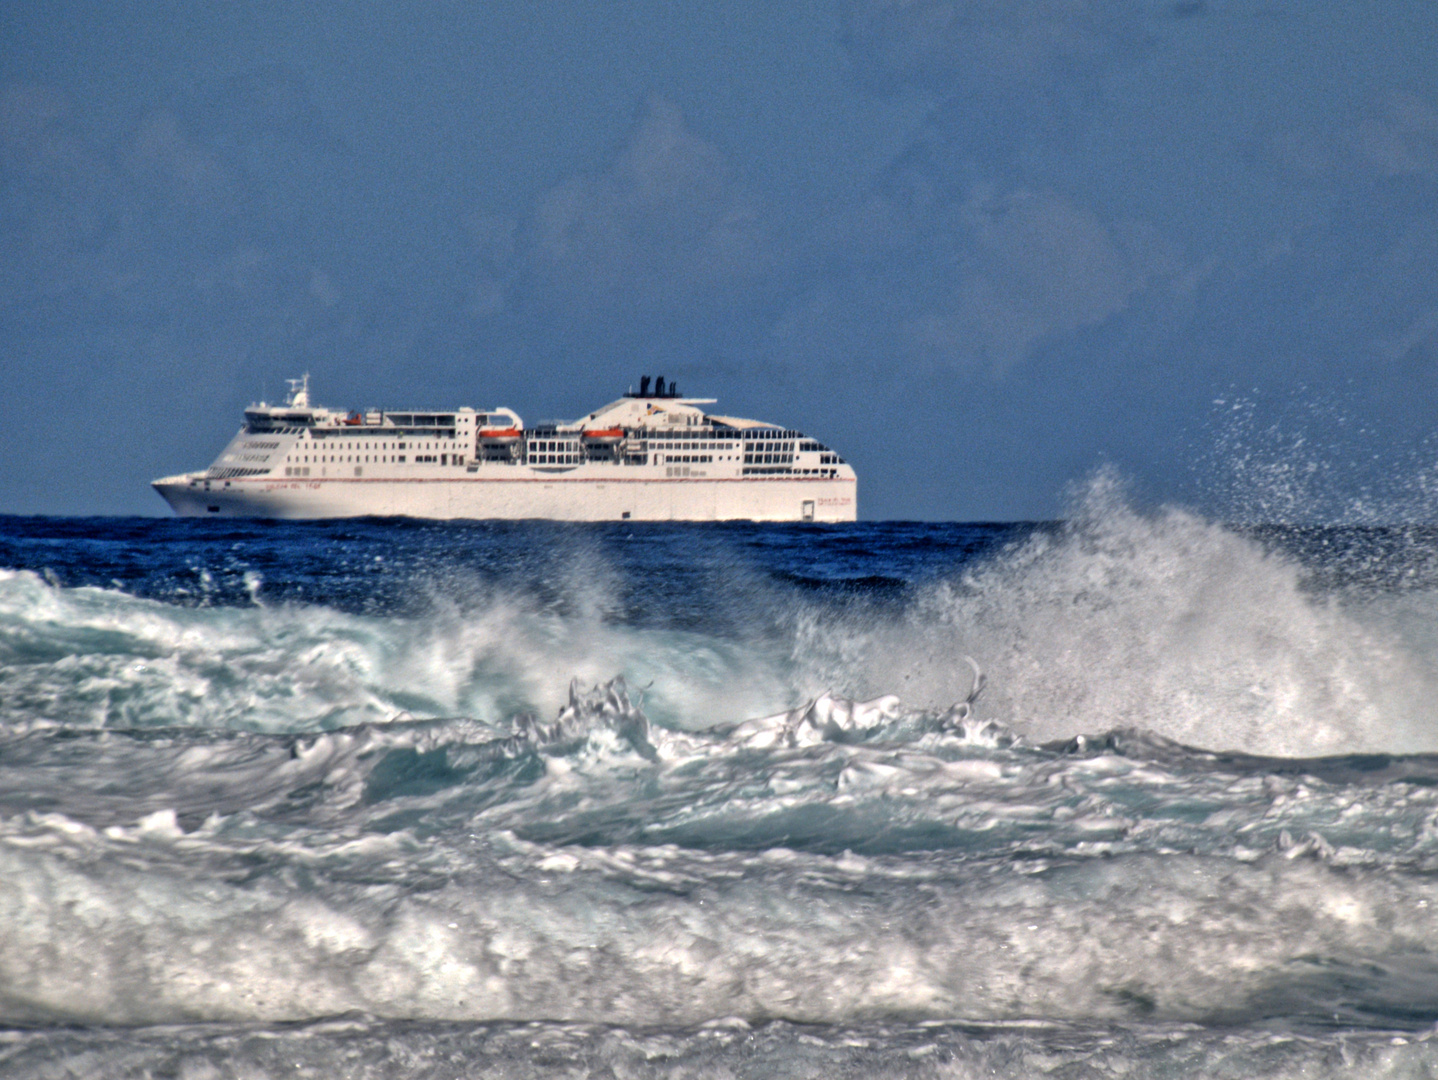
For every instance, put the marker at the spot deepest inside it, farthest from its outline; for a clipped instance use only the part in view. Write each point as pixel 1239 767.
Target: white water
pixel 1161 622
pixel 808 849
pixel 1046 887
pixel 117 927
pixel 99 657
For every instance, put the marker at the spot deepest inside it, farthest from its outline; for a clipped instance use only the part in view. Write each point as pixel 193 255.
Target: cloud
pixel 1366 255
pixel 268 103
pixel 666 224
pixel 973 277
pixel 1387 136
pixel 38 143
pixel 1399 137
pixel 982 261
pixel 1032 265
pixel 164 159
pixel 150 230
pixel 1417 342
pixel 58 189
pixel 988 45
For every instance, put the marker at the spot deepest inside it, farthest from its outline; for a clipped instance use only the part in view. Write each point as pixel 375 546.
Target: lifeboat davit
pixel 499 436
pixel 603 436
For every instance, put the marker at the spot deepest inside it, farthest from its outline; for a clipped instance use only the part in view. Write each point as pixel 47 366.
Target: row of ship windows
pixel 399 446
pixel 772 458
pixel 339 458
pixel 547 446
pixel 304 470
pixel 702 443
pixel 749 447
pixel 441 459
pixel 360 459
pixel 333 459
pixel 767 433
pixel 563 459
pixel 341 433
pixel 784 470
pixel 659 459
pixel 570 446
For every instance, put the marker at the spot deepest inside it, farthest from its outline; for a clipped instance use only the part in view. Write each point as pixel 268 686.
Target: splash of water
pixel 1159 621
pixel 1163 622
pixel 99 657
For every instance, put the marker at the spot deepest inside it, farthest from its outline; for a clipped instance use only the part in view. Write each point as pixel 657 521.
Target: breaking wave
pixel 955 795
pixel 1167 623
pixel 598 869
pixel 1160 621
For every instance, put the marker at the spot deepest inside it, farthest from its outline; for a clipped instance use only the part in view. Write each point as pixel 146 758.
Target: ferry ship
pixel 649 456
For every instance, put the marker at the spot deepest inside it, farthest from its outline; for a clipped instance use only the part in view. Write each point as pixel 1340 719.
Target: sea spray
pixel 1161 621
pixel 728 800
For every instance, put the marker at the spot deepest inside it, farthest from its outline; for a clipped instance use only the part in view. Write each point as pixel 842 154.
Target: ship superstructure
pixel 648 456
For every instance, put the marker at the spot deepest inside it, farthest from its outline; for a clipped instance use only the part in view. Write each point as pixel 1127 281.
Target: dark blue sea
pixel 1134 794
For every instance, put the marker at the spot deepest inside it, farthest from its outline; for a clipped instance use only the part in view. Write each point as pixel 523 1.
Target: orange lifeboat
pixel 603 436
pixel 499 436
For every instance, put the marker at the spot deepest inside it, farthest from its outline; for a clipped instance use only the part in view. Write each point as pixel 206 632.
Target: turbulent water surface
pixel 1137 794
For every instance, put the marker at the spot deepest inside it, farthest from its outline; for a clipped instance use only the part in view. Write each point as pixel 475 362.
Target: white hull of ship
pixel 556 497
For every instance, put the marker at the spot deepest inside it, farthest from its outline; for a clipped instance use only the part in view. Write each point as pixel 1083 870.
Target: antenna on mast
pixel 299 392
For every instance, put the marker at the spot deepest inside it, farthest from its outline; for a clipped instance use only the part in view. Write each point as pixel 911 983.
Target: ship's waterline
pixel 644 457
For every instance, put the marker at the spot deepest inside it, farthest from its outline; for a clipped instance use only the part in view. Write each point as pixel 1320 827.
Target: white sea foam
pixel 119 928
pixel 99 657
pixel 1156 621
pixel 806 845
pixel 1160 621
pixel 1047 885
pixel 368 1049
pixel 870 776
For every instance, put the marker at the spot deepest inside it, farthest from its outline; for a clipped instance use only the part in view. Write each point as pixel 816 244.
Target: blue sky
pixel 981 248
